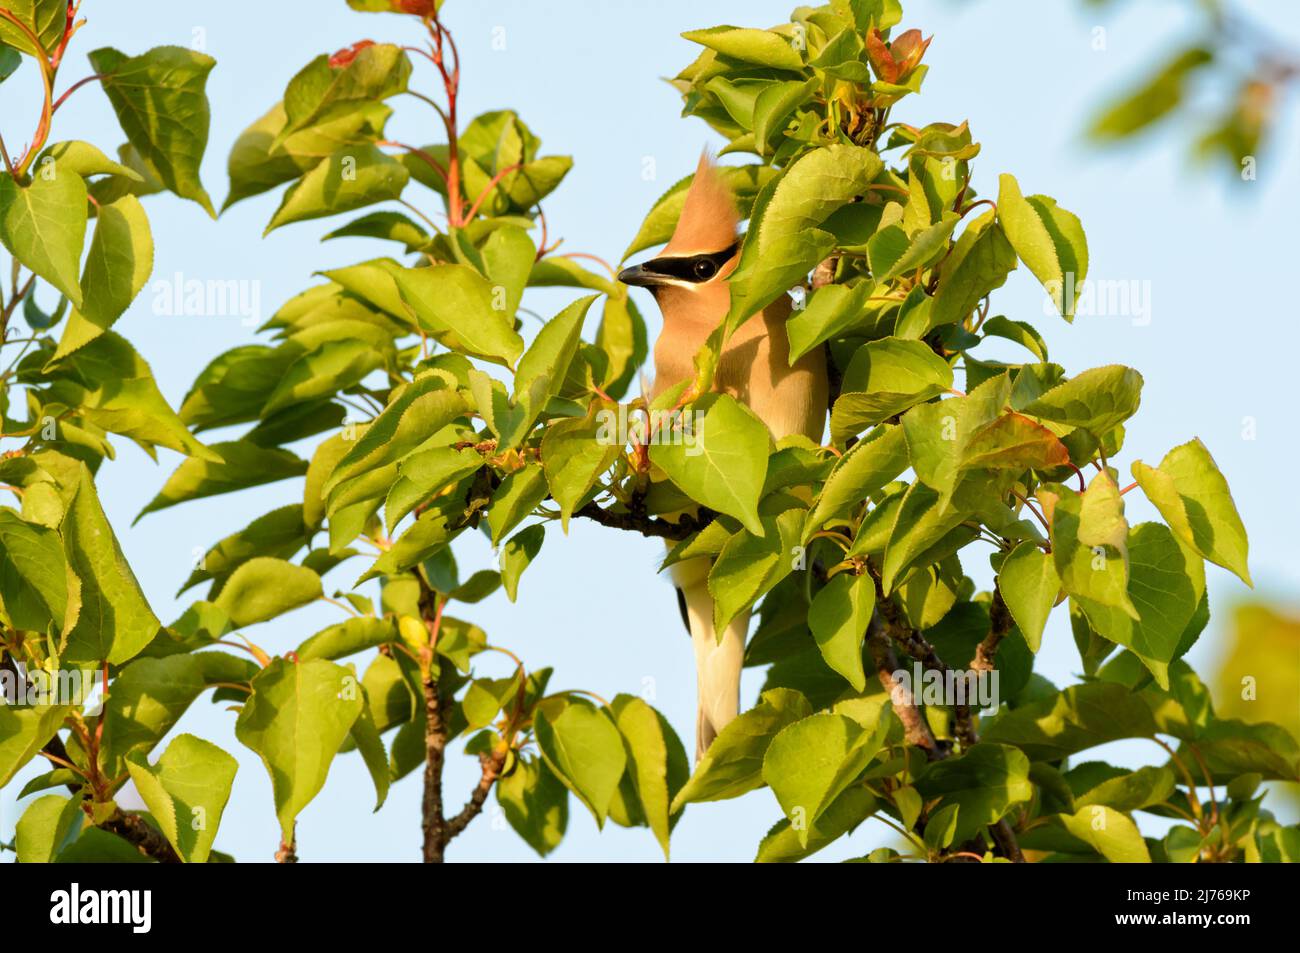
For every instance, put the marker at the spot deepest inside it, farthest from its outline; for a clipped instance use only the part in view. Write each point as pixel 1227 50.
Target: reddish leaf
pixel 882 61
pixel 345 56
pixel 1014 442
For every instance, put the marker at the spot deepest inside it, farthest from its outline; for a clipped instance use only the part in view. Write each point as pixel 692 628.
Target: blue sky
pixel 586 76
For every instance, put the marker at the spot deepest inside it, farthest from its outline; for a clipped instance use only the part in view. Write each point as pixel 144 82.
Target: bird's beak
pixel 640 277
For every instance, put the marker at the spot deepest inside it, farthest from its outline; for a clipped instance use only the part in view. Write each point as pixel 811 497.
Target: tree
pixel 72 610
pixel 1247 73
pixel 437 418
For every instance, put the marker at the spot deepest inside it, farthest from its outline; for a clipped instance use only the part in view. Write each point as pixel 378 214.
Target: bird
pixel 688 281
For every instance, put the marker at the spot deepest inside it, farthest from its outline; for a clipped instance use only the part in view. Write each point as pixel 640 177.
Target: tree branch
pixel 143 836
pixel 915 728
pixel 435 732
pixel 648 525
pixel 1000 623
pixel 888 626
pixel 492 765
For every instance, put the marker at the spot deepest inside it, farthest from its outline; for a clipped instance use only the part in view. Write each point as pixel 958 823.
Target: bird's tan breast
pixel 754 367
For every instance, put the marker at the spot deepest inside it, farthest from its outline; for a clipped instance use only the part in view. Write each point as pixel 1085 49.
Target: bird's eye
pixel 705 269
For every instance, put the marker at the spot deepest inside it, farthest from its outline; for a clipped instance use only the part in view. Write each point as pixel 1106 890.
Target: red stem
pixel 496 179
pixel 73 88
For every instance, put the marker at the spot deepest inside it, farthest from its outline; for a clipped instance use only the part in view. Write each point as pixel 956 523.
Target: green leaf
pixel 785 240
pixel 657 761
pixel 839 616
pixel 98 846
pixel 423 474
pixel 43 225
pixel 986 782
pixel 1090 538
pixel 1193 497
pixel 773 107
pixel 264 588
pixel 922 524
pixel 832 310
pixel 85 160
pixel 24 731
pixel 748 566
pixel 885 378
pixel 722 462
pixel 784 844
pixel 44 18
pixel 517 496
pixel 1022 332
pixel 34 583
pixel 979 263
pixel 621 337
pixel 867 466
pixel 545 364
pixel 1231 748
pixel 733 764
pixel 10 60
pixel 941 828
pixel 1096 400
pixel 536 804
pixel 1109 833
pixel 320 91
pixel 421 409
pixel 1154 99
pixel 296 719
pixel 509 255
pixel 1129 791
pixel 761 47
pixel 348 637
pixel 1078 718
pixel 186 792
pixel 950 441
pixel 241 465
pixel 354 177
pixel 254 167
pixel 438 525
pixel 1166 583
pixel 162 106
pixel 1029 585
pixel 892 252
pixel 323 372
pixel 149 697
pixel 517 554
pixel 575 452
pixel 117 268
pixel 1048 239
pixel 119 393
pixel 115 621
pixel 365 735
pixel 454 303
pixel 280 533
pixel 391 226
pixel 811 762
pixel 46 827
pixel 584 749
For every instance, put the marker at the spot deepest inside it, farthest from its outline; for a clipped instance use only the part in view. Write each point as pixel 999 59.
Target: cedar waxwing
pixel 689 283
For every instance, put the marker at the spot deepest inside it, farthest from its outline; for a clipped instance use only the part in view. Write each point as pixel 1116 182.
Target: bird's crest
pixel 709 218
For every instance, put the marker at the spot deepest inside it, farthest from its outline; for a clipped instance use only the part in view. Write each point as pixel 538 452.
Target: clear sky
pixel 1214 260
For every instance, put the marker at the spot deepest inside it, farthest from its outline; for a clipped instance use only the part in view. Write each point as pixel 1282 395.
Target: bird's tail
pixel 717 664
